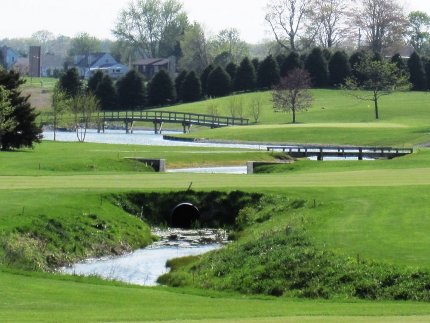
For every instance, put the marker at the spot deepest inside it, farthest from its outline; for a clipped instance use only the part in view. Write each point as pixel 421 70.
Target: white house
pixel 87 65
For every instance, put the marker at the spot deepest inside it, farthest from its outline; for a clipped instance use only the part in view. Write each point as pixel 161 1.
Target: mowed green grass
pixel 335 118
pixel 47 299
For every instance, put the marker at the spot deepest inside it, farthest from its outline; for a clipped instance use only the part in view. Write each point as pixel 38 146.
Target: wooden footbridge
pixel 158 118
pixel 341 152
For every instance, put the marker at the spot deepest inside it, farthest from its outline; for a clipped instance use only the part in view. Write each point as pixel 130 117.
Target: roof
pixel 83 62
pixel 152 61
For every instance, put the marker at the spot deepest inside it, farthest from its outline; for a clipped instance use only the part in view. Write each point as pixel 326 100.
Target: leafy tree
pixel 191 88
pixel 131 91
pixel 419 30
pixel 417 75
pixel 339 68
pixel 228 42
pixel 204 78
pixel 162 90
pixel 25 132
pixel 151 24
pixel 219 83
pixel 195 52
pixel 231 69
pixel 291 94
pixel 60 103
pixel 246 78
pixel 268 73
pixel 317 66
pixel 83 107
pixel 379 78
pixel 382 21
pixel 106 94
pixel 70 83
pixel 291 62
pixel 179 80
pixel 84 44
pixel 95 80
pixel 287 19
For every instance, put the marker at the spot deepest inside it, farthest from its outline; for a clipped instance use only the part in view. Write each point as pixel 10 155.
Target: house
pixel 148 67
pixel 51 64
pixel 87 65
pixel 9 56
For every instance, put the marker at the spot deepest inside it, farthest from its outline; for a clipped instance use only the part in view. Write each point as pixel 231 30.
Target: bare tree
pixel 383 22
pixel 292 94
pixel 327 19
pixel 60 102
pixel 83 107
pixel 256 107
pixel 286 19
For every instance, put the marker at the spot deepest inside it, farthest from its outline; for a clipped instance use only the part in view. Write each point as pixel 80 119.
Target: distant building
pixel 35 58
pixel 9 56
pixel 87 65
pixel 51 64
pixel 148 67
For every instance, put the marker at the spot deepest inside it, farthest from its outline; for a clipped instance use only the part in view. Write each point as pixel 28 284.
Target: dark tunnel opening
pixel 185 216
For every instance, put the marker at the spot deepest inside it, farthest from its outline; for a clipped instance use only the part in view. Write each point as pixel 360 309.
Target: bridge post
pixel 186 126
pixel 126 127
pixel 320 155
pixel 360 153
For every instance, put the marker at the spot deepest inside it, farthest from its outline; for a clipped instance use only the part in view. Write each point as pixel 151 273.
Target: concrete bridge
pixel 158 118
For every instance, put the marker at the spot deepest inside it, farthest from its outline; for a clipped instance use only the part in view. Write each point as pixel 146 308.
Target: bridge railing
pixel 171 116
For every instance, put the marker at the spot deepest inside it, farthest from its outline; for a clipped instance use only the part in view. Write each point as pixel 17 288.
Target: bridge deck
pixel 328 151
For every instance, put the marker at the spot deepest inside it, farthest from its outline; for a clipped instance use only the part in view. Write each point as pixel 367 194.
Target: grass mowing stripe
pixel 385 177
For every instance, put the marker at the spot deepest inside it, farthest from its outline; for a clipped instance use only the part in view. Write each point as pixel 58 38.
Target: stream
pixel 144 266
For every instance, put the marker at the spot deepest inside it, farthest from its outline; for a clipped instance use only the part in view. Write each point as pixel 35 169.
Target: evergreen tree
pixel 256 64
pixel 317 67
pixel 162 90
pixel 400 62
pixel 327 54
pixel 191 88
pixel 291 62
pixel 179 80
pixel 204 78
pixel 427 71
pixel 417 74
pixel 339 68
pixel 131 91
pixel 231 69
pixel 280 59
pixel 219 83
pixel 268 73
pixel 106 94
pixel 70 83
pixel 246 78
pixel 94 81
pixel 25 132
pixel 355 59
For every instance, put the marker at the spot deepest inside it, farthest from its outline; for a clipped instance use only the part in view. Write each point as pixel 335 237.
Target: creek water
pixel 144 266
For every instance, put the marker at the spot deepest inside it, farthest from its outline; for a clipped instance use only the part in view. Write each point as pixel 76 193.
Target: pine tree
pixel 246 78
pixel 427 70
pixel 339 68
pixel 400 62
pixel 106 94
pixel 70 83
pixel 256 63
pixel 354 60
pixel 191 88
pixel 317 67
pixel 219 83
pixel 179 80
pixel 231 69
pixel 95 80
pixel 25 131
pixel 204 78
pixel 268 73
pixel 291 62
pixel 162 90
pixel 417 74
pixel 131 91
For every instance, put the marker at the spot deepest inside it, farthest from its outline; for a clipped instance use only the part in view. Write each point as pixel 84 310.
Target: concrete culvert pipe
pixel 184 215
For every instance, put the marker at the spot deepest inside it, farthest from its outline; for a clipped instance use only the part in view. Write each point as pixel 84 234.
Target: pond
pixel 144 266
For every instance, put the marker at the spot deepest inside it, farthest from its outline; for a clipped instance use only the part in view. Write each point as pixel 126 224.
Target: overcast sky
pixel 21 18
